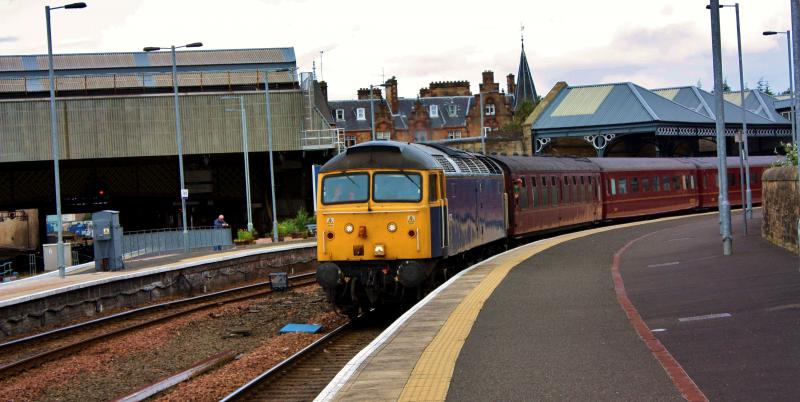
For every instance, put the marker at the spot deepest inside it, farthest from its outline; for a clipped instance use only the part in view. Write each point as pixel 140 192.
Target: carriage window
pixel 634 184
pixel 705 182
pixel 553 192
pixel 432 193
pixel 344 188
pixel 683 182
pixel 545 197
pixel 623 186
pixel 523 194
pixel 675 184
pixel 565 191
pixel 665 182
pixel 656 184
pixel 612 184
pixel 691 182
pixel 536 201
pixel 645 184
pixel 401 186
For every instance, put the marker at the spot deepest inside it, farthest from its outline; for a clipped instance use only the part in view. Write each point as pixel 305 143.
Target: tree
pixel 788 91
pixel 524 110
pixel 725 86
pixel 763 86
pixel 699 83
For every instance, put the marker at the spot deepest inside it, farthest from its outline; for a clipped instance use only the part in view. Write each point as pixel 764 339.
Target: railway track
pixel 304 375
pixel 47 346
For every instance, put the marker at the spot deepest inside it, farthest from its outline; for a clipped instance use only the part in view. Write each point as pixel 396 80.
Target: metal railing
pixel 320 139
pixel 144 242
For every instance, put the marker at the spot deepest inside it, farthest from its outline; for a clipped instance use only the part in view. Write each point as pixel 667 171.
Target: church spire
pixel 525 88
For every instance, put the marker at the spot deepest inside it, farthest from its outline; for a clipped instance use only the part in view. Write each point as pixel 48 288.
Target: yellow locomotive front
pixel 374 212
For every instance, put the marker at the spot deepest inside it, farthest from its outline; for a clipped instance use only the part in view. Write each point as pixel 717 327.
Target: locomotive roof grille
pixel 446 165
pixel 490 165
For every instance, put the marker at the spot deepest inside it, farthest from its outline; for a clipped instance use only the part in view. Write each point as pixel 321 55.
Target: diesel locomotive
pixel 393 219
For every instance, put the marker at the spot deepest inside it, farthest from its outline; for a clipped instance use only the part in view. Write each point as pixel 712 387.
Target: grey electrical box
pixel 107 241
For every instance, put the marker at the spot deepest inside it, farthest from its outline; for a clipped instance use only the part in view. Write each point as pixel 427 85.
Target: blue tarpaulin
pixel 309 328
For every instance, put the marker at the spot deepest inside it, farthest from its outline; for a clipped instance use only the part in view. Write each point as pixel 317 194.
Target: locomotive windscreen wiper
pixel 410 179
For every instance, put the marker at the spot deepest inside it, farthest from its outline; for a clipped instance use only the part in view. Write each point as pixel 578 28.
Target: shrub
pixel 790 151
pixel 244 235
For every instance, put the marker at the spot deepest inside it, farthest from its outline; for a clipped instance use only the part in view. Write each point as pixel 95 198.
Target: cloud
pixel 9 39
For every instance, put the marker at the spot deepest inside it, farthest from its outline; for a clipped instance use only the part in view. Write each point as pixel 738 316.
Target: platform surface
pixel 546 322
pixel 23 290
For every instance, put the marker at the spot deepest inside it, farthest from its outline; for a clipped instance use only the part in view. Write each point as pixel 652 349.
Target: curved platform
pixel 641 311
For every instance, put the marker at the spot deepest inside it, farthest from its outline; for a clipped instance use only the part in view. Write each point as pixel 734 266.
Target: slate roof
pixel 443 118
pixel 525 88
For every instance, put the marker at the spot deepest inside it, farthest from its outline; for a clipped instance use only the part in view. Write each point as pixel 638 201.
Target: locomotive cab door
pixel 438 216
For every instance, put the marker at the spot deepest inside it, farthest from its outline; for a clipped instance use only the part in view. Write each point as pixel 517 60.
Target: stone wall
pixel 781 207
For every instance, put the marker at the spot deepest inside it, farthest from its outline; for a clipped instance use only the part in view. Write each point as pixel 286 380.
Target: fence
pixel 145 242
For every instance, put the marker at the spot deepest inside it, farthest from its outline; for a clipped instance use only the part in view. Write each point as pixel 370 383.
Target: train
pixel 395 219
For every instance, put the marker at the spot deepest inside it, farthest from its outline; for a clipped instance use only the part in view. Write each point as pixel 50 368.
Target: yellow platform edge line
pixel 431 376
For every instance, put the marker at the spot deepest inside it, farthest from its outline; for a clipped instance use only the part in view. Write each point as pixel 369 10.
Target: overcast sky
pixel 655 43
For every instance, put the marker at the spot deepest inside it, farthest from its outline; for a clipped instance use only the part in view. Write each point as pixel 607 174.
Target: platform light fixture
pixel 184 192
pixel 62 270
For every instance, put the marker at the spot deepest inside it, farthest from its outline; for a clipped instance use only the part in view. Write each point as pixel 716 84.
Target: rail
pixel 205 301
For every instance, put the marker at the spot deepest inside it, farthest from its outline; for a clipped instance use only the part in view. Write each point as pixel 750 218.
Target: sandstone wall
pixel 781 207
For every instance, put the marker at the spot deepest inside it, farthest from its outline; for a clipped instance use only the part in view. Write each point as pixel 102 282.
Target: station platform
pixel 639 311
pixel 84 275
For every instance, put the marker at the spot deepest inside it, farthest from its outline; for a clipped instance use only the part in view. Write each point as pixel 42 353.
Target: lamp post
pixel 184 191
pixel 246 153
pixel 791 80
pixel 269 141
pixel 722 168
pixel 62 270
pixel 744 163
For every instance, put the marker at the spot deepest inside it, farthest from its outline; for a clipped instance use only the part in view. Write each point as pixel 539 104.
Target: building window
pixel 453 134
pixel 349 141
pixel 339 114
pixel 361 114
pixel 434 111
pixel 383 135
pixel 420 136
pixel 452 110
pixel 490 109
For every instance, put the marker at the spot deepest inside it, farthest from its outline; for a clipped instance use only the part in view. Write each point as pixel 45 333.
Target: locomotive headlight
pixel 349 228
pixel 380 250
pixel 391 227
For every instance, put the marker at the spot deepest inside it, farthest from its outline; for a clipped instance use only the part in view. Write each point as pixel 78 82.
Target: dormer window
pixel 361 114
pixel 452 110
pixel 339 114
pixel 490 109
pixel 434 111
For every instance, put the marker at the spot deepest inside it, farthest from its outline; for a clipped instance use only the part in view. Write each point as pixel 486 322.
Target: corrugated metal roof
pixel 79 61
pixel 143 80
pixel 703 102
pixel 582 101
pixel 668 93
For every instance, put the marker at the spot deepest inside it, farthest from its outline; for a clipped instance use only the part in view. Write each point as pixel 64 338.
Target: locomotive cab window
pixel 345 188
pixel 433 194
pixel 397 186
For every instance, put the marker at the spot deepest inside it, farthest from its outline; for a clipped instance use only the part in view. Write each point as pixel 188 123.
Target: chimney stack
pixel 391 93
pixel 323 87
pixel 510 84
